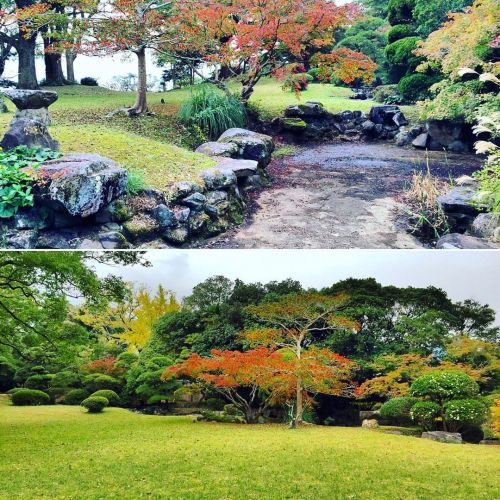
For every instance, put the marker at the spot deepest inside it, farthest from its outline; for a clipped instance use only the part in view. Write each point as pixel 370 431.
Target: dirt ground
pixel 342 195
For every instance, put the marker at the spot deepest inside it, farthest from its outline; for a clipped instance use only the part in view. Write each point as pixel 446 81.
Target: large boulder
pixel 443 133
pixel 387 115
pixel 251 145
pixel 80 183
pixel 462 241
pixel 27 132
pixel 309 109
pixel 460 199
pixel 486 226
pixel 370 424
pixel 29 99
pixel 228 150
pixel 218 178
pixel 443 437
pixel 241 168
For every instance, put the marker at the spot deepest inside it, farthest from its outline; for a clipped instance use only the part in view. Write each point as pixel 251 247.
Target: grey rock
pixel 25 132
pixel 368 128
pixel 228 149
pixel 494 442
pixel 402 138
pixel 460 199
pixel 113 240
pixel 182 215
pixel 111 226
pixel 241 168
pixel 370 424
pixel 61 220
pixel 486 226
pixel 309 109
pixel 38 115
pixel 52 239
pixel 197 222
pixel 88 244
pixel 22 240
pixel 443 437
pixel 370 414
pixel 182 189
pixel 116 211
pixel 421 141
pixel 81 183
pixel 176 236
pixel 399 119
pixel 458 147
pixel 218 178
pixel 467 74
pixel 462 241
pixel 443 132
pixel 29 99
pixel 31 218
pixel 384 114
pixel 251 145
pixel 216 197
pixel 195 202
pixel 164 216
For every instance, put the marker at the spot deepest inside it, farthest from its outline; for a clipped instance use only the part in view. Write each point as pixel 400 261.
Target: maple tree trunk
pixel 70 66
pixel 140 107
pixel 299 406
pixel 26 59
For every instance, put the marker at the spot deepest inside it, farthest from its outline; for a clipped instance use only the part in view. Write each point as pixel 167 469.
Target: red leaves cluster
pixel 105 366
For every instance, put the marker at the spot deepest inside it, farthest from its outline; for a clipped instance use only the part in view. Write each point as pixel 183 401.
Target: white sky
pixel 462 274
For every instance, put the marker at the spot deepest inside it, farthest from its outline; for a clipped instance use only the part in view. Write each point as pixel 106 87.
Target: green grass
pixel 62 452
pixel 151 145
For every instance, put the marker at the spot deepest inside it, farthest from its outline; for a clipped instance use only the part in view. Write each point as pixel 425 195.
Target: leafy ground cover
pixel 63 452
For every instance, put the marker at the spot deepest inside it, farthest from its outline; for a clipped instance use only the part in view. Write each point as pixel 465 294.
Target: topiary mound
pixel 30 397
pixel 95 404
pixel 416 87
pixel 400 31
pixel 111 396
pixel 99 382
pixel 75 396
pixel 398 408
pixel 461 412
pixel 425 414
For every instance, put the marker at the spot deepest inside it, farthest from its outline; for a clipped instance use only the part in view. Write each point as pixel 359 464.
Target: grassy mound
pixel 68 453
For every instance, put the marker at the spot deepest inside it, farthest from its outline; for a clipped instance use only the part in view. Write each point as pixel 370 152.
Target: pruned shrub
pixel 400 31
pixel 98 382
pixel 313 73
pixel 232 409
pixel 95 404
pixel 416 87
pixel 444 386
pixel 461 412
pixel 212 110
pixel 67 378
pixel 14 390
pixel 382 92
pixel 30 397
pixel 425 413
pixel 75 396
pixel 221 417
pixel 89 81
pixel 39 382
pixel 401 52
pixel 397 408
pixel 158 399
pixel 111 396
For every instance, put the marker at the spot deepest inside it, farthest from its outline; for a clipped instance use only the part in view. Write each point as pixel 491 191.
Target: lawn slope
pixel 62 452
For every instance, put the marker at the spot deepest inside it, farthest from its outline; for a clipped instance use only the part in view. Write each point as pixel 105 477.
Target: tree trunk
pixel 299 401
pixel 26 59
pixel 53 67
pixel 140 107
pixel 70 66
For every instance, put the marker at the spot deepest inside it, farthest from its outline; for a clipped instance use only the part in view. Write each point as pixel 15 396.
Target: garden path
pixel 341 195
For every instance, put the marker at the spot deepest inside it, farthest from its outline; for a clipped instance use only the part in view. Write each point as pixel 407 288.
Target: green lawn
pixel 151 144
pixel 62 452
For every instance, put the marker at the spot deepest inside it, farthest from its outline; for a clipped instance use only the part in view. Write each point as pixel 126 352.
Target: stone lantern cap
pixel 29 99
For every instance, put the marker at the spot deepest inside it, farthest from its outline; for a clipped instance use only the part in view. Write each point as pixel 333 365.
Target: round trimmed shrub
pixel 444 386
pixel 67 379
pixel 100 382
pixel 89 81
pixel 75 396
pixel 472 434
pixel 425 413
pixel 30 397
pixel 95 404
pixel 461 412
pixel 397 408
pixel 400 11
pixel 400 31
pixel 111 396
pixel 313 73
pixel 382 92
pixel 39 382
pixel 14 390
pixel 416 87
pixel 401 52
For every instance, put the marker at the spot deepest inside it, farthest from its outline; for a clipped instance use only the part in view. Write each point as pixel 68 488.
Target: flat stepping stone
pixel 30 99
pixel 241 168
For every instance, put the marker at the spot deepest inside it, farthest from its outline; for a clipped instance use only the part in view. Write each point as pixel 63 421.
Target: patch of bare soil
pixel 343 195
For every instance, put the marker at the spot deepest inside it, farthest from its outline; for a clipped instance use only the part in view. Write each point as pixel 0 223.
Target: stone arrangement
pixel 311 121
pixel 30 122
pixel 443 134
pixel 81 200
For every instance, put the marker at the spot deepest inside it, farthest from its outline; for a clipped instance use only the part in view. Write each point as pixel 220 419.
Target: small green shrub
pixel 401 52
pixel 444 386
pixel 30 397
pixel 158 399
pixel 397 408
pixel 425 413
pixel 232 409
pixel 212 111
pixel 89 81
pixel 39 382
pixel 212 416
pixel 383 92
pixel 214 403
pixel 416 87
pixel 136 183
pixel 98 382
pixel 400 31
pixel 95 404
pixel 67 379
pixel 313 73
pixel 461 412
pixel 111 396
pixel 75 396
pixel 400 11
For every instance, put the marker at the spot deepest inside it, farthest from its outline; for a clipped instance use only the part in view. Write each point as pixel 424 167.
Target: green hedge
pixel 95 404
pixel 30 397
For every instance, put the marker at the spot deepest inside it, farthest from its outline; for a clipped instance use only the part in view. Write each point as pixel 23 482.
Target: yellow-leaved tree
pixel 130 321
